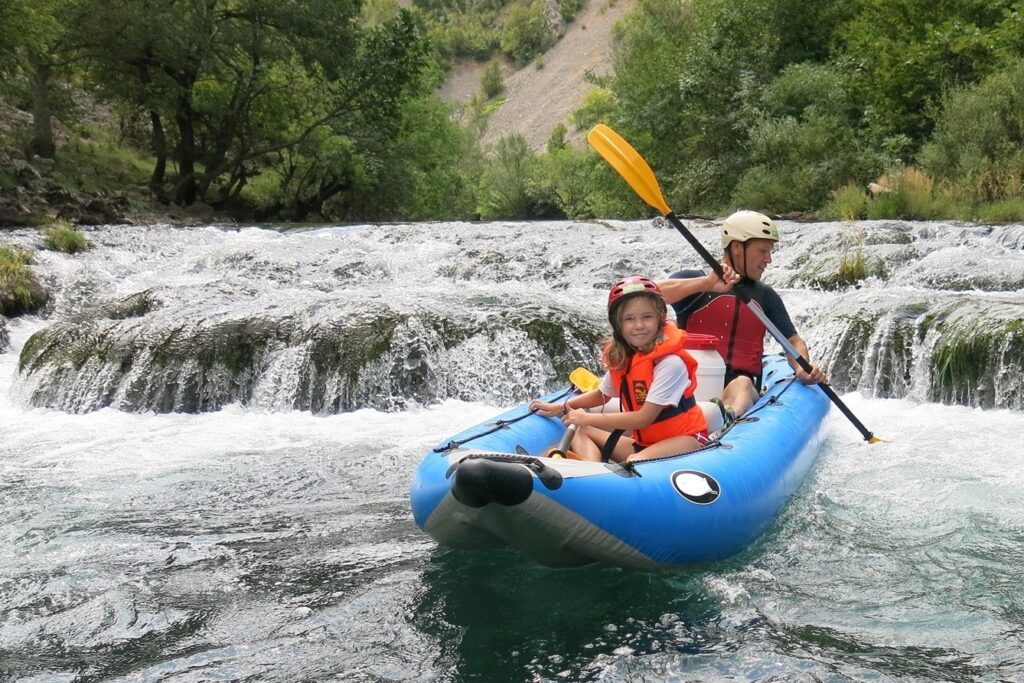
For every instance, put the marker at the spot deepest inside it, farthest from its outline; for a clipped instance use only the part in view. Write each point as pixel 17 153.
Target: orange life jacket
pixel 685 418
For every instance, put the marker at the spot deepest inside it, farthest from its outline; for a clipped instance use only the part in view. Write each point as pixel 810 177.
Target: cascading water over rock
pixel 163 319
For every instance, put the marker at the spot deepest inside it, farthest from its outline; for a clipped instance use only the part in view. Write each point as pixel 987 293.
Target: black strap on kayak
pixel 497 426
pixel 610 444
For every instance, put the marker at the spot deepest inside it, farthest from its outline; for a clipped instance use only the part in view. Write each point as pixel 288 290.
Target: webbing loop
pixel 497 426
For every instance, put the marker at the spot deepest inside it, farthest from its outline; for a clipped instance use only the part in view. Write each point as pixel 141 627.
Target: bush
pixel 464 36
pixel 978 140
pixel 1005 211
pixel 913 196
pixel 569 8
pixel 794 164
pixel 557 140
pixel 64 239
pixel 527 33
pixel 506 182
pixel 848 203
pixel 596 107
pixel 491 82
pixel 804 142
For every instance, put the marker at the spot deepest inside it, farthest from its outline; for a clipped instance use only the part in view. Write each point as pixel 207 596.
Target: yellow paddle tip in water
pixel 878 439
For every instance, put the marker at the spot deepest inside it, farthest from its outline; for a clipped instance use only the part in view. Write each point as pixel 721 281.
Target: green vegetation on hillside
pixel 324 109
pixel 781 103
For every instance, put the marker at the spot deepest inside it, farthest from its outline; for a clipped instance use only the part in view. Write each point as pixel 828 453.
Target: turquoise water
pixel 245 546
pixel 264 544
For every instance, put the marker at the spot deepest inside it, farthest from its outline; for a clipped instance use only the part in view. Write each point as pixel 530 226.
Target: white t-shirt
pixel 670 382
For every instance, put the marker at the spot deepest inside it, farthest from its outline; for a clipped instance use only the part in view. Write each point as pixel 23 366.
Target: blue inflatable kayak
pixel 486 487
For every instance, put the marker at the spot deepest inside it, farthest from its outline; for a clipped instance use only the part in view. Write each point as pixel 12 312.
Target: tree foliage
pixel 312 108
pixel 527 32
pixel 909 52
pixel 979 137
pixel 777 103
pixel 236 83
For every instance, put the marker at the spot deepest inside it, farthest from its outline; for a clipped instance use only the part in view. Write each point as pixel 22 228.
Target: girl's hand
pixel 578 417
pixel 546 409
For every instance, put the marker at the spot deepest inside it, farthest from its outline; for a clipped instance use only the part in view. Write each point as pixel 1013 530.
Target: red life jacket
pixel 740 333
pixel 686 418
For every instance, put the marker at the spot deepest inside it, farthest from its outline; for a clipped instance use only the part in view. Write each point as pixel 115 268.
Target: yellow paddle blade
pixel 878 439
pixel 584 379
pixel 628 164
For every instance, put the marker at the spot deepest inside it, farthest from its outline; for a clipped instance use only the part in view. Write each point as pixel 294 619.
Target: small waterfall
pixel 343 358
pixel 164 319
pixel 938 318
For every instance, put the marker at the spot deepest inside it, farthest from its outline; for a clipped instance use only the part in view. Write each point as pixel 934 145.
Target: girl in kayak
pixel 650 373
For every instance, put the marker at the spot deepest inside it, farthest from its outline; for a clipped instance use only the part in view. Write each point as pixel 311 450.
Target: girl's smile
pixel 641 322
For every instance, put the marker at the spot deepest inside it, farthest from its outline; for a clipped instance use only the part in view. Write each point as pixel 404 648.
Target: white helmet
pixel 746 225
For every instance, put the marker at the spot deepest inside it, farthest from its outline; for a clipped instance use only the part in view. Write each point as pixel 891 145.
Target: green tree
pixel 527 32
pixel 37 46
pixel 241 81
pixel 557 140
pixel 506 188
pixel 689 78
pixel 491 82
pixel 909 52
pixel 427 170
pixel 805 142
pixel 979 137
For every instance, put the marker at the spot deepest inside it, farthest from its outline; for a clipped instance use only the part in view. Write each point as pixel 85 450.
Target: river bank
pixel 38 197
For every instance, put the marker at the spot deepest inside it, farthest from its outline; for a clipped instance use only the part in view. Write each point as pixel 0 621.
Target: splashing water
pixel 257 542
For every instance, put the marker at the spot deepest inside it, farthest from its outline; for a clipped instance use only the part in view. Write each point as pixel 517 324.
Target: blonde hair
pixel 617 351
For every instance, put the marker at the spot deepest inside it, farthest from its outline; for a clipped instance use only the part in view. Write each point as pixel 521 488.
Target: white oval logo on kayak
pixel 696 487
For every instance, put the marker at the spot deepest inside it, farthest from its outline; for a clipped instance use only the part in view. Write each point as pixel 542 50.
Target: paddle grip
pixel 563 443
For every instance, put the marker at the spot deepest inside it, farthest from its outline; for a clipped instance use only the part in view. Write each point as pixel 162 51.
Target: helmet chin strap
pixel 742 273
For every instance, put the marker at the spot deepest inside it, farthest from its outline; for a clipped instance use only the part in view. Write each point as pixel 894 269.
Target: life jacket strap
pixel 669 412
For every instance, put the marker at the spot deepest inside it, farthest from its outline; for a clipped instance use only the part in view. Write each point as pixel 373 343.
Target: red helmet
pixel 634 284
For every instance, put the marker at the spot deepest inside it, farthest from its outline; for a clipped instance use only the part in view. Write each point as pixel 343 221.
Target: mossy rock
pixel 151 352
pixel 979 362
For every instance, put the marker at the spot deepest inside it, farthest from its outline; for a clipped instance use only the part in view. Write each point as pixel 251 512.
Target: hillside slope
pixel 540 99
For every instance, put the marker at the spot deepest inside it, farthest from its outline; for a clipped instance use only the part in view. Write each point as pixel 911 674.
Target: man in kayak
pixel 705 305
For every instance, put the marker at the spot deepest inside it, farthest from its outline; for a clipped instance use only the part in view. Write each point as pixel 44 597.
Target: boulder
pixel 874 189
pixel 200 211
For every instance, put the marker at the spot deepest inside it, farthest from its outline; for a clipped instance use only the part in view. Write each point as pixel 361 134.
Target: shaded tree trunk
pixel 42 142
pixel 302 207
pixel 159 150
pixel 186 192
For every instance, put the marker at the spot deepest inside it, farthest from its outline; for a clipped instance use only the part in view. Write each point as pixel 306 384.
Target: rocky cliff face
pixel 538 98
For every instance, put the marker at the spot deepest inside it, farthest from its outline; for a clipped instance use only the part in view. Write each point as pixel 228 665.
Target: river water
pixel 253 543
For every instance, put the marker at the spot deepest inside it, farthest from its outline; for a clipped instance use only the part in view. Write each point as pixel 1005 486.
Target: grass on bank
pixel 97 161
pixel 92 159
pixel 910 194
